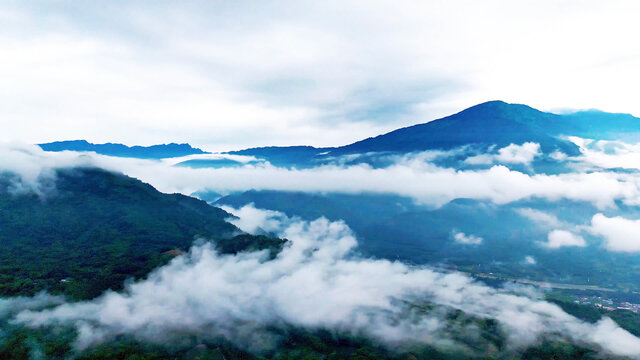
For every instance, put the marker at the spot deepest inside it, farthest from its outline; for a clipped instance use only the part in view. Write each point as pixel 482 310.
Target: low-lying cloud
pixel 34 167
pixel 563 238
pixel 421 180
pixel 14 305
pixel 561 234
pixel 511 154
pixel 619 234
pixel 463 238
pixel 608 154
pixel 315 282
pixel 541 218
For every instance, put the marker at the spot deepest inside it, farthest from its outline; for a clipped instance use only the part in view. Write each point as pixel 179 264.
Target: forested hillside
pixel 90 229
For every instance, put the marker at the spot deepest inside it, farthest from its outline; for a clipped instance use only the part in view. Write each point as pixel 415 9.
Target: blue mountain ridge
pixel 120 150
pixel 493 123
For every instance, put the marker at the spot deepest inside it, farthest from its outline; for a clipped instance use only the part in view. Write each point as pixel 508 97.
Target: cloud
pixel 253 220
pixel 529 260
pixel 463 238
pixel 619 234
pixel 608 154
pixel 482 159
pixel 511 154
pixel 239 74
pixel 11 306
pixel 561 234
pixel 542 218
pixel 315 282
pixel 423 181
pixel 558 156
pixel 31 169
pixel 269 75
pixel 518 154
pixel 562 238
pixel 498 184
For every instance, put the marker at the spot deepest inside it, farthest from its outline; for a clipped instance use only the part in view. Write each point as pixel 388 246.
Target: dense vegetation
pixel 92 229
pixel 486 341
pixel 628 320
pixel 299 345
pixel 247 242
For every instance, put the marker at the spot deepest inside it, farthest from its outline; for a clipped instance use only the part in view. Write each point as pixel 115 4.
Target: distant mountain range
pixel 487 126
pixel 141 152
pixel 493 123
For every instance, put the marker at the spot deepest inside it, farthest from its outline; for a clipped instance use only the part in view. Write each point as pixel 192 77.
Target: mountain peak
pixel 487 124
pixel 500 108
pixel 491 103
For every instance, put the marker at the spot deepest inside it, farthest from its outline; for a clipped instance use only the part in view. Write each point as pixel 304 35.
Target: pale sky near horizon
pixel 232 74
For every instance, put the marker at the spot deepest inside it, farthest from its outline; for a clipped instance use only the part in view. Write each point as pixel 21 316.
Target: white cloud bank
pixel 422 181
pixel 314 283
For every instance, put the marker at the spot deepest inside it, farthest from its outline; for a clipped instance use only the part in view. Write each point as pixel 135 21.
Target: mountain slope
pixel 95 229
pixel 491 123
pixel 600 125
pixel 141 152
pixel 481 126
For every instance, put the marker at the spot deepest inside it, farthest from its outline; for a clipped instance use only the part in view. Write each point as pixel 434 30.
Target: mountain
pixel 600 125
pixel 141 152
pixel 482 126
pixel 491 123
pixel 92 229
pixel 284 155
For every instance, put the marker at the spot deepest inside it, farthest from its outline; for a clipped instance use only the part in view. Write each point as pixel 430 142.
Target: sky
pixel 226 75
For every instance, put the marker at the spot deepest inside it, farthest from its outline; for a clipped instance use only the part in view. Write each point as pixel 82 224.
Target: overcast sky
pixel 233 74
